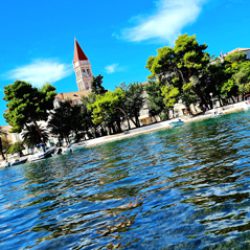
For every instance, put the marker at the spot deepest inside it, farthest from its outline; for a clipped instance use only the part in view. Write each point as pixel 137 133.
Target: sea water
pixel 184 188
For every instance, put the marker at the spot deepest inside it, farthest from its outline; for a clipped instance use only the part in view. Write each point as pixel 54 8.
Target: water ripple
pixel 185 188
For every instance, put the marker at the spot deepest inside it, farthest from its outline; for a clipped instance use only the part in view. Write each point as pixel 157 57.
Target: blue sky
pixel 118 36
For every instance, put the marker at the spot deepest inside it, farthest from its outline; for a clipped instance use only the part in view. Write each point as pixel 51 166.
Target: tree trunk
pixel 134 122
pixel 126 117
pixel 1 149
pixel 113 128
pixel 39 132
pixel 67 140
pixel 189 110
pixel 221 102
pixel 118 123
pixel 129 127
pixel 155 119
pixel 137 121
pixel 232 99
pixel 109 129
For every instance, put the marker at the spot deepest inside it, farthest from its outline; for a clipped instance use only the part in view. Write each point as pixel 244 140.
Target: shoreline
pixel 164 125
pixel 233 108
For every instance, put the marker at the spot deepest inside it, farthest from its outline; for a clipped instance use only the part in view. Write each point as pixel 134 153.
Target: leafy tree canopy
pixel 182 71
pixel 16 148
pixel 154 98
pixel 133 101
pixel 66 119
pixel 26 103
pixel 104 109
pixel 97 87
pixel 33 135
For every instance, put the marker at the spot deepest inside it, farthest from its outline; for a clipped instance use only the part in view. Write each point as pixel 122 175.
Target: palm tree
pixel 32 137
pixel 60 122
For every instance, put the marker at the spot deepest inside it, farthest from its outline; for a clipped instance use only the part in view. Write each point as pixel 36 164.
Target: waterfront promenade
pixel 233 108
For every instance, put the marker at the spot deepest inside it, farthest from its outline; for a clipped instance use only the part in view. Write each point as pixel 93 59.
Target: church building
pixel 82 68
pixel 83 73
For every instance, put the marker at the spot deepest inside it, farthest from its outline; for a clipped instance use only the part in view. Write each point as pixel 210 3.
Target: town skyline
pixel 45 48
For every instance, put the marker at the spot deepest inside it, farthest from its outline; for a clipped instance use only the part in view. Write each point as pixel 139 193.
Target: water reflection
pixel 186 188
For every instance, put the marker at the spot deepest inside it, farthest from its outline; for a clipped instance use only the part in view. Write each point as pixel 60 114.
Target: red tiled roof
pixel 78 53
pixel 72 95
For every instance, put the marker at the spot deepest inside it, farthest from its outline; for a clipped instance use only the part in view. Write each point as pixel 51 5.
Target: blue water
pixel 185 188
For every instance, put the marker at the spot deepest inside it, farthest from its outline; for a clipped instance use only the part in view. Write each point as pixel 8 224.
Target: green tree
pixel 215 79
pixel 105 110
pixel 133 102
pixel 235 57
pixel 192 64
pixel 97 87
pixel 16 148
pixel 235 75
pixel 170 93
pixel 242 78
pixel 32 136
pixel 229 89
pixel 63 120
pixel 90 128
pixel 4 143
pixel 182 71
pixel 27 104
pixel 163 65
pixel 47 97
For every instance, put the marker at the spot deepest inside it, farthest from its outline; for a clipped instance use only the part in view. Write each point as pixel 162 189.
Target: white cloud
pixel 170 17
pixel 112 68
pixel 41 71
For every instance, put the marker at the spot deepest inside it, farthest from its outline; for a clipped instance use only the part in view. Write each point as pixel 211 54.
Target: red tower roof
pixel 78 53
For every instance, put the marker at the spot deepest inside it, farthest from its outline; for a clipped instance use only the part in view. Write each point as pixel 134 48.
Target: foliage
pixel 89 126
pixel 170 94
pixel 27 104
pixel 186 72
pixel 34 135
pixel 47 96
pixel 5 143
pixel 181 71
pixel 16 148
pixel 133 102
pixel 97 87
pixel 61 120
pixel 242 77
pixel 154 98
pixel 236 57
pixel 105 109
pixel 236 75
pixel 162 65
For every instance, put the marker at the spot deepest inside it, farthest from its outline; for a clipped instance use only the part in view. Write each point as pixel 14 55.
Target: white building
pixel 246 51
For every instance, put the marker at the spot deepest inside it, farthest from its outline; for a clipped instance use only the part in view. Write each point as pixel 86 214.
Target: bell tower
pixel 82 68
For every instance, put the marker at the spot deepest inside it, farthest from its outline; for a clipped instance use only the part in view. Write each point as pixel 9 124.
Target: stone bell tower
pixel 82 68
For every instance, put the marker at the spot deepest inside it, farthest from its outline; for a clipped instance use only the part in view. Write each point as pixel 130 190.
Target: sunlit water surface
pixel 185 188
